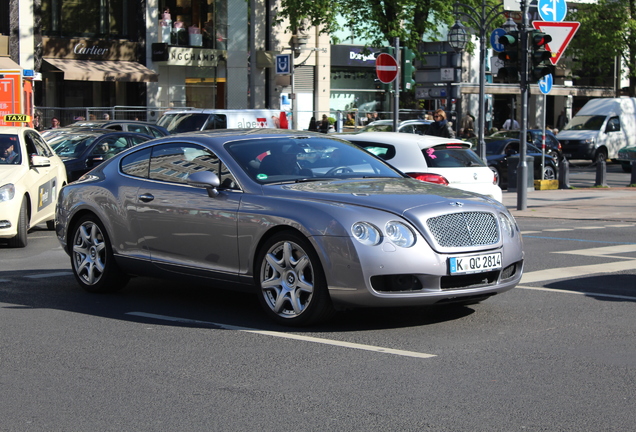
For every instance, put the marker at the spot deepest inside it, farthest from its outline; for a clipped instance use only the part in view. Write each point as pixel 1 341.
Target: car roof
pixel 14 129
pixel 401 139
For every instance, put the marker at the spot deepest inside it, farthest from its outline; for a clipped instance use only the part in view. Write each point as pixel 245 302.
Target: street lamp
pixel 481 20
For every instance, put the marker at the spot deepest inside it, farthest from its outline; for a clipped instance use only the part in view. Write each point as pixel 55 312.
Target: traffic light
pixel 511 57
pixel 539 56
pixel 408 69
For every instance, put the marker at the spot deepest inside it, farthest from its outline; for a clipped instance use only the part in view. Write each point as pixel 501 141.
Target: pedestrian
pixel 106 116
pixel 440 126
pixel 55 123
pixel 313 127
pixel 511 124
pixel 324 124
pixel 467 122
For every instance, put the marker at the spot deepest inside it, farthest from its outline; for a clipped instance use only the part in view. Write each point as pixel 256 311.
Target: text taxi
pixel 31 175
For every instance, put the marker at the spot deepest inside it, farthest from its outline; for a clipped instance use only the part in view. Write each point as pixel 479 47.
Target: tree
pixel 608 30
pixel 376 21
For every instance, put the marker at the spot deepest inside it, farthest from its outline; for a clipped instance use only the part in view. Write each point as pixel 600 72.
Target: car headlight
pixel 400 234
pixel 508 225
pixel 366 233
pixel 7 192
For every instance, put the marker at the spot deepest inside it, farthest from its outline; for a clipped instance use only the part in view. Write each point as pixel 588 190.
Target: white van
pixel 188 120
pixel 600 129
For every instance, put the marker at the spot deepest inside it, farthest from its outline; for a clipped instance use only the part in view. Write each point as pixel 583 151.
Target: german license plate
pixel 475 263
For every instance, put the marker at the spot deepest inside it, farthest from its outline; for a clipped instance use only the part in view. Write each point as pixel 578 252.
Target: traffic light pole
pixel 396 87
pixel 522 168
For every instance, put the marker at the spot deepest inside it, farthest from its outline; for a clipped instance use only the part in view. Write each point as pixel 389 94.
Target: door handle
pixel 146 197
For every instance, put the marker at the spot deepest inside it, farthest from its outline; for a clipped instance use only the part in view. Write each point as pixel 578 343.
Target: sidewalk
pixel 614 204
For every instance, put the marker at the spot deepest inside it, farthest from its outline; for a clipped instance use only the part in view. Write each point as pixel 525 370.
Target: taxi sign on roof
pixel 17 118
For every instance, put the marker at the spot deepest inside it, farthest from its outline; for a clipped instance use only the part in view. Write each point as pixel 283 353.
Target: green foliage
pixel 608 30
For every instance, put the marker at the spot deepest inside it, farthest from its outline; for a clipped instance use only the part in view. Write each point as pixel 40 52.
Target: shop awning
pixel 94 70
pixel 7 63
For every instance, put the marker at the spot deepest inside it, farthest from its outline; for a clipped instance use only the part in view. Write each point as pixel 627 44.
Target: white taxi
pixel 31 175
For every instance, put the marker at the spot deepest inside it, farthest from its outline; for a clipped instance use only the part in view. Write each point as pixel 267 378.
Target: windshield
pixel 9 150
pixel 378 128
pixel 71 145
pixel 585 123
pixel 292 159
pixel 184 122
pixel 451 156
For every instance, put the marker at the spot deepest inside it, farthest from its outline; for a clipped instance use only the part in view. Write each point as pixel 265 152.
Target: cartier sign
pixel 89 49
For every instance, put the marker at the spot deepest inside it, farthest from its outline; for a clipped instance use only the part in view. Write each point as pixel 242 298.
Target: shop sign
pixel 178 56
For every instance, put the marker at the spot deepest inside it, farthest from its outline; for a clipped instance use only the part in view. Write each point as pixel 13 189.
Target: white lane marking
pixel 530 232
pixel 289 336
pixel 559 229
pixel 616 296
pixel 46 275
pixel 592 227
pixel 620 226
pixel 603 251
pixel 577 271
pixel 4 280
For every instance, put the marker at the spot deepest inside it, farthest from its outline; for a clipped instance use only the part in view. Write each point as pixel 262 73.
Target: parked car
pixel 143 127
pixel 433 159
pixel 83 150
pixel 31 176
pixel 535 137
pixel 498 152
pixel 404 126
pixel 625 156
pixel 272 210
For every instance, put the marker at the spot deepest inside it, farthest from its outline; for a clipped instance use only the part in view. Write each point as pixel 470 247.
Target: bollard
pixel 633 165
pixel 564 174
pixel 601 174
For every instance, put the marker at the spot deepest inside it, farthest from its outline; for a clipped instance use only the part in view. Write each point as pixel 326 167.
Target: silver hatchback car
pixel 312 223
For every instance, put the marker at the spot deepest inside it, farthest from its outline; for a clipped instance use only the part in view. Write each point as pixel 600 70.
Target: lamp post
pixel 481 19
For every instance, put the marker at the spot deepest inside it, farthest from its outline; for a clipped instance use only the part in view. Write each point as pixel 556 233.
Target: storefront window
pixel 194 22
pixel 89 18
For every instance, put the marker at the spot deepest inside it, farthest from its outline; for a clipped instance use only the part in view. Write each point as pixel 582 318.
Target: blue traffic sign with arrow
pixel 552 10
pixel 545 84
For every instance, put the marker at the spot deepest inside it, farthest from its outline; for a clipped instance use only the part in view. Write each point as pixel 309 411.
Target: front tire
pixel 495 172
pixel 600 156
pixel 20 240
pixel 549 173
pixel 92 257
pixel 291 282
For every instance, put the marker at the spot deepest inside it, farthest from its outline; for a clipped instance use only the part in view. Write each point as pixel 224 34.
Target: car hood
pixel 385 194
pixel 577 134
pixel 10 173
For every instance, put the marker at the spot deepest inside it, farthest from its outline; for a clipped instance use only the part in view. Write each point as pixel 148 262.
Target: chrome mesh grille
pixel 464 229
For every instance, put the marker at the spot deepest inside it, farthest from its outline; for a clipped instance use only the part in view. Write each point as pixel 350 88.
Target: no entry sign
pixel 386 68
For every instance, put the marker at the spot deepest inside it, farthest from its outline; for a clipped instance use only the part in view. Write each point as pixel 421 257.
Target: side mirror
pixel 207 180
pixel 40 161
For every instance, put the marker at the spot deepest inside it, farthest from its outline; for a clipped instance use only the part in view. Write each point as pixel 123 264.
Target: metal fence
pixel 67 116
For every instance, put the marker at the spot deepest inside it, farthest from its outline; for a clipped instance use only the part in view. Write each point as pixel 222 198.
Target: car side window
pixel 138 128
pixel 36 145
pixel 136 140
pixel 137 164
pixel 155 133
pixel 176 161
pixel 613 125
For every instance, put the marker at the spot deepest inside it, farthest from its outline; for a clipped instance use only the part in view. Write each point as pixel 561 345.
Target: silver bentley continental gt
pixel 311 222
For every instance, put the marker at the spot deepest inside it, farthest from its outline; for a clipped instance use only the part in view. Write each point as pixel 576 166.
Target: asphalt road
pixel 555 354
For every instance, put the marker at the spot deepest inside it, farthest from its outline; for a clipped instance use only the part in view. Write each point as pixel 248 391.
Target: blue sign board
pixel 494 39
pixel 552 10
pixel 283 64
pixel 545 84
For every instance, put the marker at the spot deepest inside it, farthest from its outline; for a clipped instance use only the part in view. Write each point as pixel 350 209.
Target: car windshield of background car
pixel 451 156
pixel 585 123
pixel 272 160
pixel 71 145
pixel 185 122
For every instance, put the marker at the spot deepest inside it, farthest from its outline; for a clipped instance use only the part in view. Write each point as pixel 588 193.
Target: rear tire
pixel 20 240
pixel 600 156
pixel 92 258
pixel 549 173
